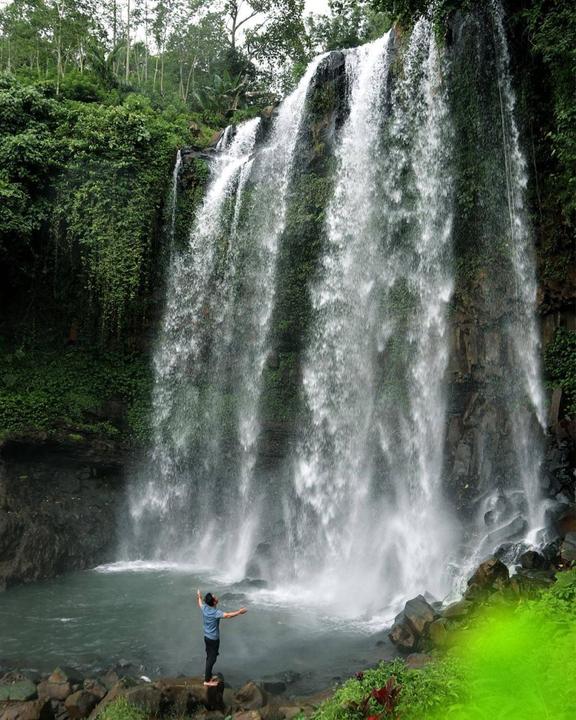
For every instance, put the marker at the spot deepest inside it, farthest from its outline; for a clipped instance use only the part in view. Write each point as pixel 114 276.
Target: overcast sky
pixel 312 6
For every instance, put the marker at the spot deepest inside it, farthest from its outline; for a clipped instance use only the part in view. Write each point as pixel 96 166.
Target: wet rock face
pixel 58 506
pixel 490 575
pixel 410 626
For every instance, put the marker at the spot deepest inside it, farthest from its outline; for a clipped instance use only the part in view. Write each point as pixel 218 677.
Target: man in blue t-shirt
pixel 212 617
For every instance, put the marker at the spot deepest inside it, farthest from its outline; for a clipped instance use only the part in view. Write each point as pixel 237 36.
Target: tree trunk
pixel 155 74
pixel 189 79
pixel 114 35
pixel 128 43
pixel 59 52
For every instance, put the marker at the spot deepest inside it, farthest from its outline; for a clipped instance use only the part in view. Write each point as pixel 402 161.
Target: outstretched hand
pixel 242 611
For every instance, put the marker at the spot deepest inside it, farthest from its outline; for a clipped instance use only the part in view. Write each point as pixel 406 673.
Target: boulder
pixel 438 632
pixel 416 661
pixel 566 523
pixel 551 552
pixel 457 610
pixel 250 697
pixel 185 696
pixel 401 635
pixel 419 613
pixel 146 698
pixel 109 679
pixel 80 704
pixel 59 711
pixel 13 687
pixel 271 712
pixel 58 685
pixel 532 560
pixel 229 698
pixel 410 625
pixel 191 692
pixel 95 687
pixel 31 710
pixel 247 715
pixel 529 582
pixel 490 575
pixel 568 548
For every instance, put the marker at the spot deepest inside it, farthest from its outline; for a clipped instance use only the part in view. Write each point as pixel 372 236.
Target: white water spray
pixel 371 512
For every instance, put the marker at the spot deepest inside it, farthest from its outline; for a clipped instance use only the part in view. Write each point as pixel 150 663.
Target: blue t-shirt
pixel 212 617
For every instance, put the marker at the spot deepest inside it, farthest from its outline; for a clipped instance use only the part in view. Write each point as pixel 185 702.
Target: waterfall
pixel 211 350
pixel 368 473
pixel 365 495
pixel 523 329
pixel 512 509
pixel 173 201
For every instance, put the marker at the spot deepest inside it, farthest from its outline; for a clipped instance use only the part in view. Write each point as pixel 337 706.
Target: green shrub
pixel 69 391
pixel 511 662
pixel 560 366
pixel 121 709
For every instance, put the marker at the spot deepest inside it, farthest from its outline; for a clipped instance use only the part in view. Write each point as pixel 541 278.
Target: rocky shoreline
pixel 65 694
pixel 424 626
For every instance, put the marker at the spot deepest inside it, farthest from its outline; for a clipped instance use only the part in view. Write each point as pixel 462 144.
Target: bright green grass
pixel 121 709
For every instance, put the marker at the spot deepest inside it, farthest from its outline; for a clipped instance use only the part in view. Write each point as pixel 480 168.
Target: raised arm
pixel 199 600
pixel 234 614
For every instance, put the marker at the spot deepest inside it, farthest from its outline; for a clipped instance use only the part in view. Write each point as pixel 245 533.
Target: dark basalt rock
pixel 409 629
pixel 32 710
pixel 250 697
pixel 568 548
pixel 58 504
pixel 491 575
pixel 80 703
pixel 532 560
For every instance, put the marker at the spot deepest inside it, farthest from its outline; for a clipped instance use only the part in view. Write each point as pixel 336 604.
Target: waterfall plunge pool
pixel 145 615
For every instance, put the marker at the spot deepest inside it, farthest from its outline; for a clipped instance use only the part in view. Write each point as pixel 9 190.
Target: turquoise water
pixel 147 616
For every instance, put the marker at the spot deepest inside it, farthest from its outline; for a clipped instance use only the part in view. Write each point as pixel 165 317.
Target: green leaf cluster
pixel 110 194
pixel 73 391
pixel 560 366
pixel 122 709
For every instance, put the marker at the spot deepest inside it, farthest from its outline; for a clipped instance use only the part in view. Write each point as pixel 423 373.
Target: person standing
pixel 211 617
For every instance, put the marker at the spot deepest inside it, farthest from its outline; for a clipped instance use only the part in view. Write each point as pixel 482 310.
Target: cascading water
pixel 359 497
pixel 513 508
pixel 211 351
pixel 173 202
pixel 523 329
pixel 368 473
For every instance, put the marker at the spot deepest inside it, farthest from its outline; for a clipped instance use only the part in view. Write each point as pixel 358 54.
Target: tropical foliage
pixel 511 661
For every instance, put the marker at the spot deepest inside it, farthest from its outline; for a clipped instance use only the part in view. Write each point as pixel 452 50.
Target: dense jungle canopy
pixel 95 98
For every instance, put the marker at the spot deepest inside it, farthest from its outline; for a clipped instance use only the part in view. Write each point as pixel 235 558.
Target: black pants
pixel 212 647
